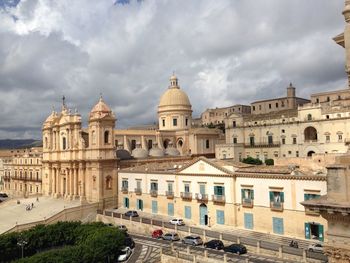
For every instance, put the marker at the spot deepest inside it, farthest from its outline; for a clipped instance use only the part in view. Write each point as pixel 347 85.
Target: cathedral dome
pixel 139 153
pixel 174 96
pixel 100 110
pixel 156 152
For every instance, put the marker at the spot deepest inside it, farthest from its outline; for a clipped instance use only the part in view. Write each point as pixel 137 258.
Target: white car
pixel 315 248
pixel 177 221
pixel 125 253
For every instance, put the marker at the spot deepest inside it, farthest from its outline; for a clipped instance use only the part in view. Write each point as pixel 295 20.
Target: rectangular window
pixel 294 140
pixel 235 140
pixel 283 141
pixel 154 207
pixel 174 122
pixel 139 204
pixel 340 137
pixel 188 212
pixel 202 189
pixel 278 227
pixel 328 138
pixel 219 190
pixel 125 184
pixel 126 202
pixel 251 141
pixel 270 139
pixel 269 106
pixel 253 108
pixel 297 153
pixel 186 122
pixel 170 187
pixel 247 197
pixel 276 104
pixel 220 217
pixel 170 209
pixel 163 122
pixel 311 196
pixel 233 124
pixel 138 184
pixel 259 107
pixel 207 144
pixel 187 188
pixel 276 200
pixel 248 221
pixel 154 186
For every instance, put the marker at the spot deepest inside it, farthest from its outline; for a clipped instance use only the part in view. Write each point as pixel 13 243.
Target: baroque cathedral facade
pixel 83 162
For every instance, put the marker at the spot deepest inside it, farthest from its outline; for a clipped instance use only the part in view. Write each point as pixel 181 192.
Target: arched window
pixel 106 137
pixel 309 117
pixel 108 182
pixel 64 143
pixel 310 134
pixel 45 143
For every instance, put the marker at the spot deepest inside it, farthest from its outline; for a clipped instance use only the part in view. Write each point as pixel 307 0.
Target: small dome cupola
pixel 101 110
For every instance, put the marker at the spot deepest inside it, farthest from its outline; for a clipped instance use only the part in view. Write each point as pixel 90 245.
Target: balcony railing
pixel 153 192
pixel 276 206
pixel 186 195
pixel 23 178
pixel 262 145
pixel 6 178
pixel 125 189
pixel 138 191
pixel 247 202
pixel 219 199
pixel 169 194
pixel 202 197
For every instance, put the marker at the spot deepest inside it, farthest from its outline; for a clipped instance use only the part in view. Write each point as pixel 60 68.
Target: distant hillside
pixel 14 144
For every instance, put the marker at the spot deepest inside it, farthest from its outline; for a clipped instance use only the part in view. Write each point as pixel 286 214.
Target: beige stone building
pixel 215 193
pixel 82 163
pixel 217 116
pixel 23 172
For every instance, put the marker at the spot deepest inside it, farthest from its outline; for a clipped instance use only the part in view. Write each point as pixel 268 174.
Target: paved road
pixel 150 252
pixel 270 242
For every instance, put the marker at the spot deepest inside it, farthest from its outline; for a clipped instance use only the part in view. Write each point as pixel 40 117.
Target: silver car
pixel 192 240
pixel 171 237
pixel 315 248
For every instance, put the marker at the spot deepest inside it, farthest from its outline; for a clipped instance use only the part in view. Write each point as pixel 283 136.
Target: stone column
pixel 72 174
pixel 75 182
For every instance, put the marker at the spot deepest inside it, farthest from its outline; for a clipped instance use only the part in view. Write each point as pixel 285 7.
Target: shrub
pixel 269 162
pixel 251 160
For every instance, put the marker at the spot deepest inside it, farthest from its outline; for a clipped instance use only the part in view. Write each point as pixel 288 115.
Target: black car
pixel 129 242
pixel 236 248
pixel 3 195
pixel 131 213
pixel 214 244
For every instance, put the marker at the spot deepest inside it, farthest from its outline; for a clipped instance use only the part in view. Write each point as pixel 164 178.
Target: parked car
pixel 171 237
pixel 122 228
pixel 315 248
pixel 236 248
pixel 177 221
pixel 3 195
pixel 124 254
pixel 192 240
pixel 158 233
pixel 214 244
pixel 129 242
pixel 131 213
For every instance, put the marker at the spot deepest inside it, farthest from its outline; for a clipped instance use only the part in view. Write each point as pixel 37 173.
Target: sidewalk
pixel 13 213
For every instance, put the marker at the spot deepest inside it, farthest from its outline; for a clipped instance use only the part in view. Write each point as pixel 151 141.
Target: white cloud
pixel 224 52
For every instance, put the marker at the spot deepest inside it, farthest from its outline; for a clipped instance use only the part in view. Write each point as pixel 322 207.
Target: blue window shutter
pixel 320 233
pixel 223 190
pixel 187 212
pixel 306 197
pixel 252 194
pixel 307 231
pixel 170 209
pixel 282 197
pixel 271 196
pixel 220 217
pixel 154 207
pixel 215 190
pixel 242 193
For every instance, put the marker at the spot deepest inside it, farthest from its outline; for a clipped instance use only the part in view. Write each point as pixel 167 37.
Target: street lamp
pixel 22 243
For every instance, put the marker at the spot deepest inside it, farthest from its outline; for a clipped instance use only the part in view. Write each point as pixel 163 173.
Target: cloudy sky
pixel 223 52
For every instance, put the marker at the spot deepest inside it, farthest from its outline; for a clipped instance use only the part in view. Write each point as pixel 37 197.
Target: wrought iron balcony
pixel 202 197
pixel 169 194
pixel 276 206
pixel 186 195
pixel 125 189
pixel 247 202
pixel 138 191
pixel 219 199
pixel 153 192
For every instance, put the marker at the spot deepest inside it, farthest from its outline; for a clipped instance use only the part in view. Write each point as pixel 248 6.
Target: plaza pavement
pixel 12 213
